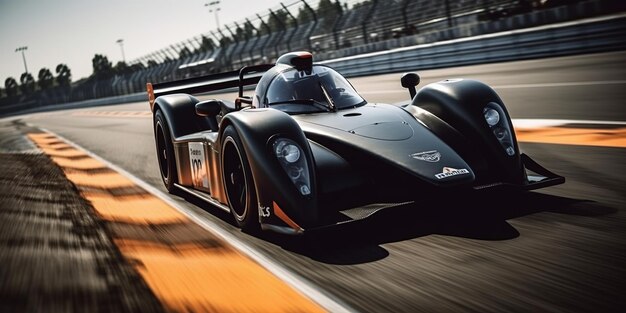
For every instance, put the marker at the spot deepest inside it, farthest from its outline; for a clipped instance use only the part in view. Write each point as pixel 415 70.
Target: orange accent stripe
pixel 305 55
pixel 574 136
pixel 281 214
pixel 151 98
pixel 188 268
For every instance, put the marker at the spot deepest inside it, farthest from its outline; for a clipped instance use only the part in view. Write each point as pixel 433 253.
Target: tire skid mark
pixel 189 268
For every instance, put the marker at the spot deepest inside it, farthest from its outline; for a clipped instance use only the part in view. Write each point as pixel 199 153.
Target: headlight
pixel 499 126
pixel 491 116
pixel 287 151
pixel 288 154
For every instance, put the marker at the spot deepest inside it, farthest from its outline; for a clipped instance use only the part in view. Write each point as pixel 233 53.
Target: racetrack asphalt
pixel 558 249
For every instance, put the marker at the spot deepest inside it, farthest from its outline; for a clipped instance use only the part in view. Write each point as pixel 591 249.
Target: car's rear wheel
pixel 165 151
pixel 238 181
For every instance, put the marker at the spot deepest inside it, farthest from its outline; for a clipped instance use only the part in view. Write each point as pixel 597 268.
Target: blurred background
pixel 431 32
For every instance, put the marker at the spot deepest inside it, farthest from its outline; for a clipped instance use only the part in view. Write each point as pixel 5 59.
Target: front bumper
pixel 274 219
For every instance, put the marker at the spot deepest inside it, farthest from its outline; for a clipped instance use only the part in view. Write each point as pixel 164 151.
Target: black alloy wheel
pixel 238 181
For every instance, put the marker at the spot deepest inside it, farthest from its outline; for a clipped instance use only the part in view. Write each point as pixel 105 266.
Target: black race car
pixel 305 150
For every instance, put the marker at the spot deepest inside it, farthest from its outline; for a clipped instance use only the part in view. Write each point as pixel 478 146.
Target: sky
pixel 73 31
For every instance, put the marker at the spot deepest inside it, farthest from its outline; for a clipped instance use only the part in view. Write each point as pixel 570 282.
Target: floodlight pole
pixel 121 43
pixel 214 7
pixel 22 49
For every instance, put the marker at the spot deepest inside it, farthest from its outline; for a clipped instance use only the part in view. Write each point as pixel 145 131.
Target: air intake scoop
pixel 385 131
pixel 301 60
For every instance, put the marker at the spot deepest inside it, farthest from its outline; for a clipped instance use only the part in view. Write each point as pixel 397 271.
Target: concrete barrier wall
pixel 32 107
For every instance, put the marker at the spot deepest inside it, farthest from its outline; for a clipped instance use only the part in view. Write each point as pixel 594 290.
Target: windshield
pixel 322 90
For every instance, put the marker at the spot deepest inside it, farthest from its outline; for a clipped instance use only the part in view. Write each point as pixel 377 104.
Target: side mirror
pixel 209 107
pixel 409 81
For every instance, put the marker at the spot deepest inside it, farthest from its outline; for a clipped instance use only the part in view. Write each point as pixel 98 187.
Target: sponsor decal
pixel 199 176
pixel 449 172
pixel 428 156
pixel 264 211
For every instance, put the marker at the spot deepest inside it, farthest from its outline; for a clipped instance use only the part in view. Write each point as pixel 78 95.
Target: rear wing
pixel 246 76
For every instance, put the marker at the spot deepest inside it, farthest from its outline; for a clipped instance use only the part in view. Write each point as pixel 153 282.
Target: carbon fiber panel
pixel 366 211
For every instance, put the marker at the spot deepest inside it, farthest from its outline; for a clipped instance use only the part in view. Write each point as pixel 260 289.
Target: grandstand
pixel 348 28
pixel 331 29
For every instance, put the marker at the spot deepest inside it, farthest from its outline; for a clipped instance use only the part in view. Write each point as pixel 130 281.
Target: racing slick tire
pixel 238 182
pixel 165 151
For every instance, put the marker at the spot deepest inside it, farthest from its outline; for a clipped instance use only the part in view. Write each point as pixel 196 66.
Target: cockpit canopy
pixel 320 90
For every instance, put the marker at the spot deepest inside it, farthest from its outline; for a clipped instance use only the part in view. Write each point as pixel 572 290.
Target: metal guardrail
pixel 585 36
pixel 32 107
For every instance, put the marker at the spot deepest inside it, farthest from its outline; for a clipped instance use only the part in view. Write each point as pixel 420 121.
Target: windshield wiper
pixel 331 103
pixel 316 103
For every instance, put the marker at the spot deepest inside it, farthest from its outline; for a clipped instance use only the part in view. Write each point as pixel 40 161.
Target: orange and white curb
pixel 189 263
pixel 571 132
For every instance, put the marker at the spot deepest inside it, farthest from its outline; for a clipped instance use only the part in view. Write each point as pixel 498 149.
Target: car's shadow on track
pixel 481 218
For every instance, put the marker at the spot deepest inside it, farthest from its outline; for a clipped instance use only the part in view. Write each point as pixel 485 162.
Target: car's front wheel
pixel 238 181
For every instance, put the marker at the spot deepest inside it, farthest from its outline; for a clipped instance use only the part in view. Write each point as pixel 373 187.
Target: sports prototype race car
pixel 305 150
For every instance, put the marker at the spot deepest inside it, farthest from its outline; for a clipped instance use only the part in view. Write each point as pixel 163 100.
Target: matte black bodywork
pixel 360 159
